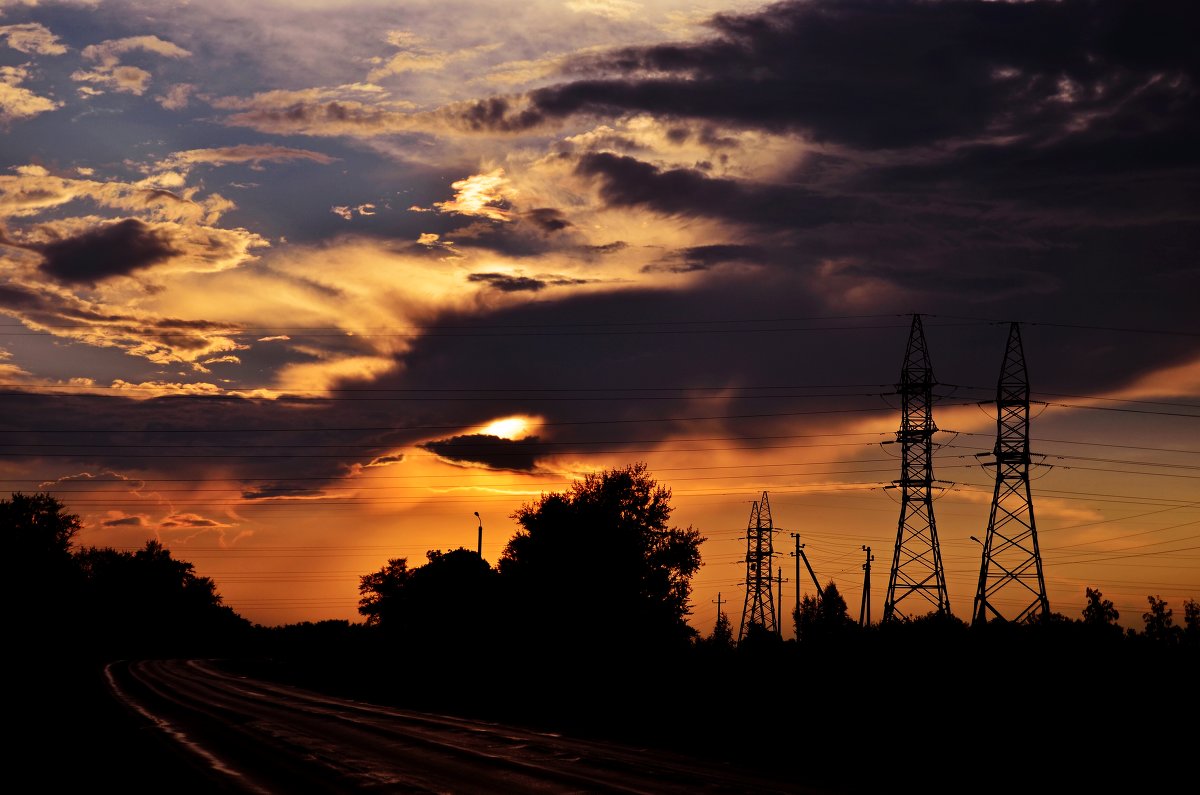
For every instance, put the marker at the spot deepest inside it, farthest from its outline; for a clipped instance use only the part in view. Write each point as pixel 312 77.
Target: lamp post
pixel 480 547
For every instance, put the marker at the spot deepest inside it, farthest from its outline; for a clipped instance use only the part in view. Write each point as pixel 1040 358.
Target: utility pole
pixel 1011 559
pixel 721 631
pixel 759 606
pixel 917 562
pixel 779 604
pixel 865 609
pixel 796 555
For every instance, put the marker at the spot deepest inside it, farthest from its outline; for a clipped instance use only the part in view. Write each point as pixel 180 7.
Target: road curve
pixel 254 736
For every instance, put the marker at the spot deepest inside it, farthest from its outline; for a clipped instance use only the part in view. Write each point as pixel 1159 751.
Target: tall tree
pixel 41 574
pixel 824 617
pixel 1191 622
pixel 447 603
pixel 1160 621
pixel 601 564
pixel 149 602
pixel 1099 613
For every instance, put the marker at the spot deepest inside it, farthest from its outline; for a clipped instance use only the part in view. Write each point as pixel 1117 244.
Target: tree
pixel 446 604
pixel 823 617
pixel 1160 624
pixel 41 573
pixel 381 593
pixel 600 564
pixel 721 636
pixel 148 602
pixel 1191 623
pixel 1099 613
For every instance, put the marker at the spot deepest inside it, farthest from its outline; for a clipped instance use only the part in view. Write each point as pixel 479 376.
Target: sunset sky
pixel 298 287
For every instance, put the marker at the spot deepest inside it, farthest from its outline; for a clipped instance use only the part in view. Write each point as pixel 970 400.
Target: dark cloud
pixel 700 258
pixel 607 248
pixel 280 491
pixel 492 451
pixel 189 520
pixel 895 74
pixel 126 521
pixel 116 249
pixel 507 283
pixel 547 219
pixel 627 182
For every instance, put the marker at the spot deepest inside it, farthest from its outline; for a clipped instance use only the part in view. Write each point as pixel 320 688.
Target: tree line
pixel 595 571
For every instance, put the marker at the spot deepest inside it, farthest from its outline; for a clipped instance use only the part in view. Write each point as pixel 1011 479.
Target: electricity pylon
pixel 1011 561
pixel 917 562
pixel 759 607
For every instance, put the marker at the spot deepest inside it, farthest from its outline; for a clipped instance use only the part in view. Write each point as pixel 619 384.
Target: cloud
pixel 493 452
pixel 612 9
pixel 548 219
pixel 386 460
pixel 348 212
pixel 33 190
pixel 702 258
pixel 18 103
pixel 628 182
pixel 958 71
pixel 417 56
pixel 111 73
pixel 125 521
pixel 191 521
pixel 510 283
pixel 116 249
pixel 33 38
pixel 489 195
pixel 177 97
pixel 254 154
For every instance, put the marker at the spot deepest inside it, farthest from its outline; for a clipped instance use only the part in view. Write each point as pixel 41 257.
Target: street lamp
pixel 480 547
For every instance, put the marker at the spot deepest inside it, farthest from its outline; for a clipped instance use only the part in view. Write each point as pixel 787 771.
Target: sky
pixel 296 288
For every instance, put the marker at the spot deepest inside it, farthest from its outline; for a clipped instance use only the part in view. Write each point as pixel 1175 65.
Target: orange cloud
pixel 111 73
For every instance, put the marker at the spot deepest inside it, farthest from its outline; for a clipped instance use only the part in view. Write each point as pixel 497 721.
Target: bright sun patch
pixel 516 427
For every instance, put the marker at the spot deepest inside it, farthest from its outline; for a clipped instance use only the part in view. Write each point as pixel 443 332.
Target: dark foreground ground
pixel 1070 720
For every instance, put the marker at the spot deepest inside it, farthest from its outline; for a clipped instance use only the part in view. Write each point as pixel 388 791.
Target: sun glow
pixel 516 427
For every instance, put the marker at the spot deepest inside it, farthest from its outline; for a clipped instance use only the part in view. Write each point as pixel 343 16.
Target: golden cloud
pixel 489 195
pixel 20 103
pixel 32 38
pixel 111 73
pixel 254 154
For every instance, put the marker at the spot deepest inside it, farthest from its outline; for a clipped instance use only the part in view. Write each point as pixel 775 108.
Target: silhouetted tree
pixel 382 593
pixel 1160 623
pixel 600 564
pixel 721 637
pixel 825 617
pixel 1191 622
pixel 1099 614
pixel 42 576
pixel 447 604
pixel 148 602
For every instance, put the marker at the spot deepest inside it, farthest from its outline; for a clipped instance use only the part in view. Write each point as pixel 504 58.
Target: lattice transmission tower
pixel 759 607
pixel 917 583
pixel 1011 586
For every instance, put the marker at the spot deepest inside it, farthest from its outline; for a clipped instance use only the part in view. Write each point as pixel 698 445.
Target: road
pixel 252 736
